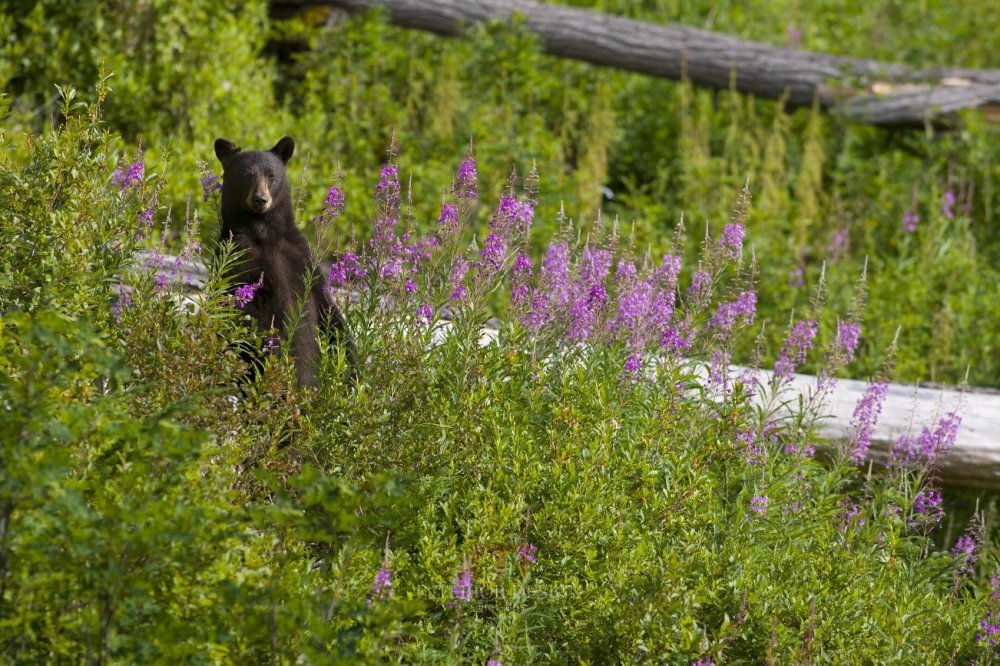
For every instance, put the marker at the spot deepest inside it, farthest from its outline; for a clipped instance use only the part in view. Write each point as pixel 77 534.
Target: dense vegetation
pixel 591 486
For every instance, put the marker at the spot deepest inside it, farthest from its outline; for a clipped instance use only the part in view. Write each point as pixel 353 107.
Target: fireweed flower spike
pixel 210 185
pixel 797 345
pixel 740 311
pixel 522 274
pixel 633 367
pixel 129 175
pixel 425 315
pixel 344 270
pixel 461 589
pixel 990 634
pixel 382 587
pixel 926 513
pixel 795 277
pixel 527 553
pixel 465 182
pixel 759 504
pixel 245 293
pixel 947 201
pixel 384 243
pixel 459 267
pixel 932 443
pixel 731 243
pixel 866 413
pixel 448 222
pixel 967 548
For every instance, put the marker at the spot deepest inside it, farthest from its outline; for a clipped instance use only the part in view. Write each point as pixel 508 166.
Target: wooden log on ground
pixel 866 91
pixel 973 462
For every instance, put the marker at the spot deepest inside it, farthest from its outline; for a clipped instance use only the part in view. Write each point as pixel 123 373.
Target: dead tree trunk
pixel 867 91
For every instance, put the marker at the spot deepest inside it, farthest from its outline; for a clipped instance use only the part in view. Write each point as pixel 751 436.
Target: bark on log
pixel 973 462
pixel 867 91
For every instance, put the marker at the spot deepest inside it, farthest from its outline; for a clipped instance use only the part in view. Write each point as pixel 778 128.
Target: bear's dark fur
pixel 257 215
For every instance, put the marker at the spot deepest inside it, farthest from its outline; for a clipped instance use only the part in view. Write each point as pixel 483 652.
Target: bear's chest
pixel 284 263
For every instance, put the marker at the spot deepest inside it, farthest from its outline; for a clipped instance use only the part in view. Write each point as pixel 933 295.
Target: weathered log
pixel 866 91
pixel 974 461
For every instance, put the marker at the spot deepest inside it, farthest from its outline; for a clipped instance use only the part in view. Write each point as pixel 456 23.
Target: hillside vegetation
pixel 593 486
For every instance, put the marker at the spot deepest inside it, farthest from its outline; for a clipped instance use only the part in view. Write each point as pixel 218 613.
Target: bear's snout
pixel 259 198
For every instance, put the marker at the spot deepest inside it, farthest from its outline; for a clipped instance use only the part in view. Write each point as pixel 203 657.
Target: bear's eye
pixel 269 175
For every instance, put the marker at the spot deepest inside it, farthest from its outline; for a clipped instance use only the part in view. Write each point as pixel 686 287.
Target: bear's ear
pixel 224 149
pixel 284 148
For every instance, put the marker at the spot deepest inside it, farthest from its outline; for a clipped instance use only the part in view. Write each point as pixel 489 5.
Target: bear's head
pixel 256 180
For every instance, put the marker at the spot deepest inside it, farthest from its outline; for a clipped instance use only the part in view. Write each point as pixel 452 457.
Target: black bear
pixel 257 215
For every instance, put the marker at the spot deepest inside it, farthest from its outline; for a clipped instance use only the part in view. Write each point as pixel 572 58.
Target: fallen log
pixel 973 462
pixel 865 91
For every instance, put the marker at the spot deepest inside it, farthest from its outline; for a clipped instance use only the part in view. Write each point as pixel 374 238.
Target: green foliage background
pixel 187 72
pixel 149 515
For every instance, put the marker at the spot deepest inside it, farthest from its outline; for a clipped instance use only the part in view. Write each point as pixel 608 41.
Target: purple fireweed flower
pixel 505 216
pixel 626 272
pixel 910 220
pixel 754 455
pixel 146 216
pixel 678 338
pixel 991 628
pixel 129 175
pixel 704 661
pixel 521 274
pixel 459 267
pixel 837 246
pixel 701 287
pixel 410 286
pixel 387 189
pixel 382 587
pixel 718 369
pixel 967 550
pixel 759 504
pixel 554 291
pixel 633 307
pixel 333 204
pixel 344 270
pixel 927 511
pixel 633 366
pixel 795 277
pixel 123 302
pixel 465 182
pixel 840 353
pixel 668 272
pixel 528 553
pixel 387 247
pixel 523 265
pixel 160 282
pixel 461 589
pixel 851 511
pixel 797 345
pixel 793 37
pixel 492 256
pixel 929 446
pixel 448 222
pixel 524 217
pixel 846 343
pixel 740 311
pixel 864 418
pixel 494 662
pixel 210 185
pixel 589 293
pixel 947 201
pixel 425 314
pixel 731 243
pixel 245 293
